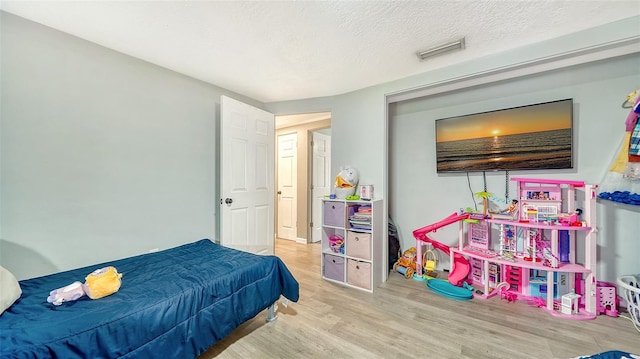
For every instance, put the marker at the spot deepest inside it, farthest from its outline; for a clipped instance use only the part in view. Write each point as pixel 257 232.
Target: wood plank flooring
pixel 404 319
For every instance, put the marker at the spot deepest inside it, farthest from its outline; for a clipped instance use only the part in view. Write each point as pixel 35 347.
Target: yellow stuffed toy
pixel 102 282
pixel 98 284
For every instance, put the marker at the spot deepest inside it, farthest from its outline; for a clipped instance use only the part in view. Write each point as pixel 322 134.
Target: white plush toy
pixel 347 177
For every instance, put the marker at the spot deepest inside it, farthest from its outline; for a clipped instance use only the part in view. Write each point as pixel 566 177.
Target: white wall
pixel 102 155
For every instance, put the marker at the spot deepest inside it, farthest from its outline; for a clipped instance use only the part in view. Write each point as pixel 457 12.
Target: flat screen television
pixel 532 137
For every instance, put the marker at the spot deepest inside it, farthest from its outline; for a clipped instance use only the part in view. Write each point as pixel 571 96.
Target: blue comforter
pixel 174 303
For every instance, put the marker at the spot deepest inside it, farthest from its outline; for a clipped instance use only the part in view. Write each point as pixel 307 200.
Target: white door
pixel 321 180
pixel 247 157
pixel 287 186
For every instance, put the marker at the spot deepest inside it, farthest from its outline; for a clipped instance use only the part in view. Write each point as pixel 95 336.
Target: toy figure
pixel 511 210
pixel 512 207
pixel 100 283
pixel 570 219
pixel 407 263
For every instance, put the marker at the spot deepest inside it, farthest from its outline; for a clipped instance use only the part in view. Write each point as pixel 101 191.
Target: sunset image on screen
pixel 530 137
pixel 552 116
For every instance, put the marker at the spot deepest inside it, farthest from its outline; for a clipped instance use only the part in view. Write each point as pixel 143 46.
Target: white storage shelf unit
pixel 359 264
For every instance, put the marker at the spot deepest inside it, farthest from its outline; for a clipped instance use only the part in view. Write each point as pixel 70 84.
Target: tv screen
pixel 531 137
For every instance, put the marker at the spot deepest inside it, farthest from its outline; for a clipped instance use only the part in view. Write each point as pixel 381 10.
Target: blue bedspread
pixel 174 303
pixel 611 354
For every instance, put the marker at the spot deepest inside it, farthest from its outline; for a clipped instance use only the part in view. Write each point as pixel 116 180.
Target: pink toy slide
pixel 461 265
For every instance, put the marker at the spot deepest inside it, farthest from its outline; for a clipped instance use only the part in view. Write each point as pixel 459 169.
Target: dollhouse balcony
pixel 520 262
pixel 539 224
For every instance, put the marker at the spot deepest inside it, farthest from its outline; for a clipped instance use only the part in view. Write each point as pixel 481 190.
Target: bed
pixel 611 354
pixel 174 303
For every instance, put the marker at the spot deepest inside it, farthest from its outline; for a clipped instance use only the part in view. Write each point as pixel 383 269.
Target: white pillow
pixel 9 289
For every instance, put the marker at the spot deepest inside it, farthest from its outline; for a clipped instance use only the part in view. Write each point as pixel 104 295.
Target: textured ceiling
pixel 286 50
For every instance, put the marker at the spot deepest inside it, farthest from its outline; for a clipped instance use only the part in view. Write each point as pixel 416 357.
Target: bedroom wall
pixel 103 155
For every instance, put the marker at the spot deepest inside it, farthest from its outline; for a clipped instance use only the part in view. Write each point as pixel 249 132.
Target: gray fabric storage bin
pixel 334 267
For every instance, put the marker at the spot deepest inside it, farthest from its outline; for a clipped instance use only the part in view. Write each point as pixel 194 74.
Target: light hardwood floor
pixel 404 319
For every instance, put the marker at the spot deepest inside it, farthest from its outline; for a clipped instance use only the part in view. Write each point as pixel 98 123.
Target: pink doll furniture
pixel 606 299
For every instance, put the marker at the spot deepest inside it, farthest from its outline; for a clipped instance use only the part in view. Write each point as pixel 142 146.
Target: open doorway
pixel 299 170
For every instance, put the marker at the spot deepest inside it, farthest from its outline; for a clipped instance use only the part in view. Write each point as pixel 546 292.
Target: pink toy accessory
pixel 336 243
pixel 606 299
pixel 503 289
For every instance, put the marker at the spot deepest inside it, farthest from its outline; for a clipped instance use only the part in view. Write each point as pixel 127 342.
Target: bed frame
pixel 175 303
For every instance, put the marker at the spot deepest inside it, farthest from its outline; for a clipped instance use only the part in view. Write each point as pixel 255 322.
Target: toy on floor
pixel 503 290
pixel 98 284
pixel 461 267
pixel 406 264
pixel 508 296
pixel 429 260
pixel 444 288
pixel 607 299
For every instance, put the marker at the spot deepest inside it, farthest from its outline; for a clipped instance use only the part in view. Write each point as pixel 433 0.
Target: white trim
pixel 553 62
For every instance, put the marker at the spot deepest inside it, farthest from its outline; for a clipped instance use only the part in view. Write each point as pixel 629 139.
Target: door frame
pixel 311 168
pixel 303 124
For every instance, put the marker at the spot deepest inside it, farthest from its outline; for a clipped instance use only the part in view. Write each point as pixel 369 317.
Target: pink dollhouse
pixel 534 254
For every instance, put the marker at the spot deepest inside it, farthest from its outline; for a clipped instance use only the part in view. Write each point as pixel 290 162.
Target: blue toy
pixel 447 289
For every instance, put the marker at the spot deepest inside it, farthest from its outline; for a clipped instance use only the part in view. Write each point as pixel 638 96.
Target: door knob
pixel 228 201
pixel 279 192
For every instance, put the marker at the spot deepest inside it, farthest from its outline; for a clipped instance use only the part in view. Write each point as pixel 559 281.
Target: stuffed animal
pixel 347 177
pixel 98 284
